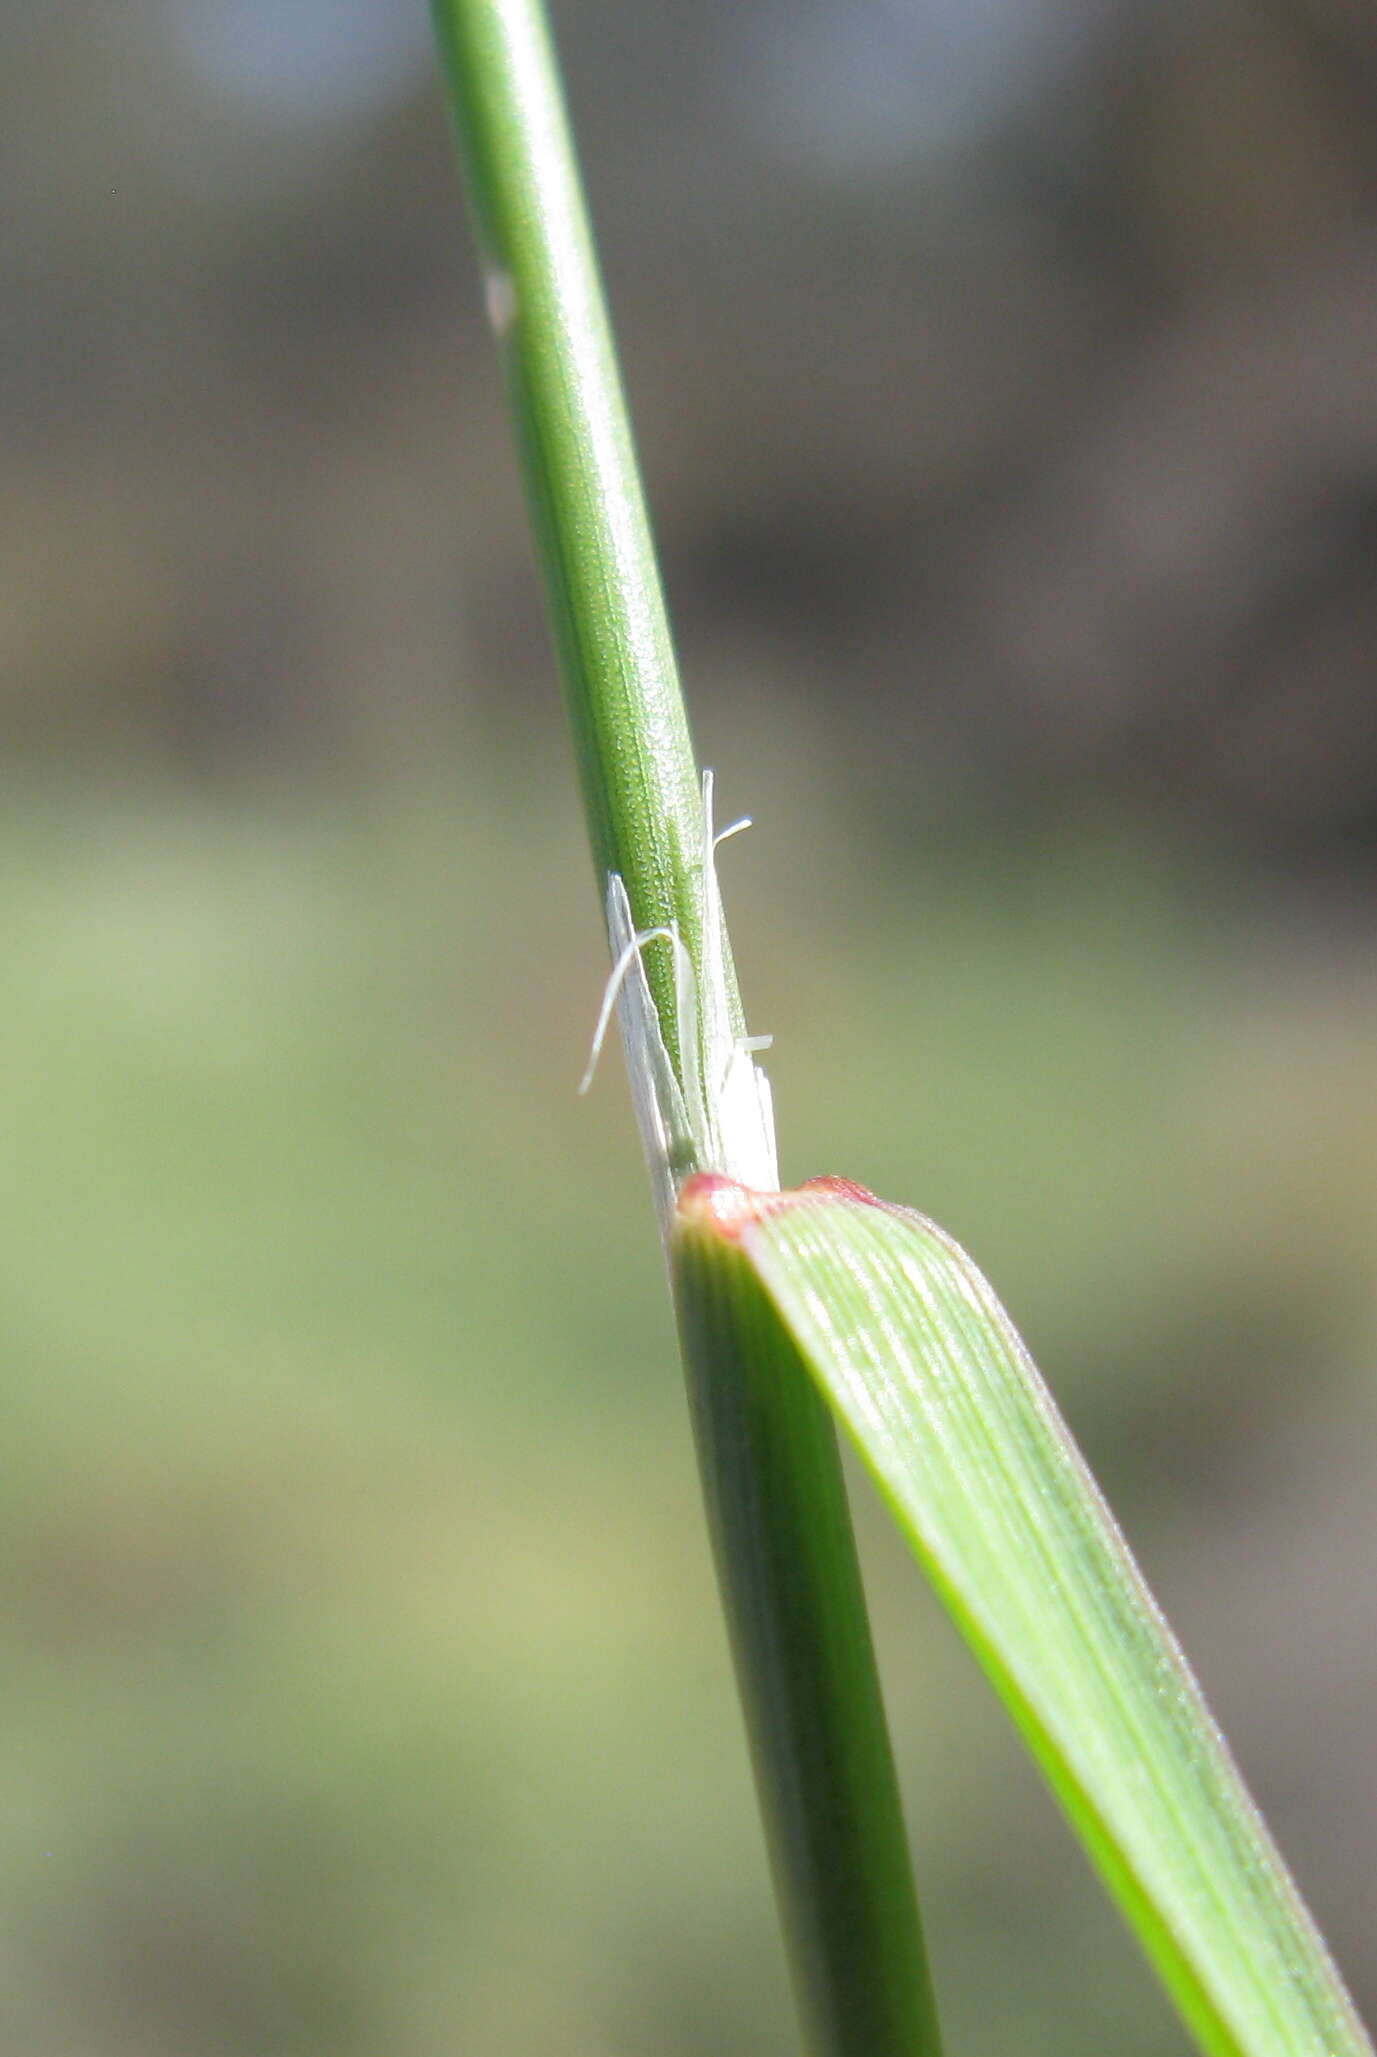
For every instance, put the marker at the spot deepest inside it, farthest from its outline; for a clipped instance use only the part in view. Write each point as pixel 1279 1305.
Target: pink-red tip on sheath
pixel 711 1200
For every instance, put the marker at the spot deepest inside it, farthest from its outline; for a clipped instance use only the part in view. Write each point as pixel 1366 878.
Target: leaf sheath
pixel 791 1589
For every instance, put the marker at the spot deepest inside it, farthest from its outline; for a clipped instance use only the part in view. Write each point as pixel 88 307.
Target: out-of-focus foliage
pixel 1014 450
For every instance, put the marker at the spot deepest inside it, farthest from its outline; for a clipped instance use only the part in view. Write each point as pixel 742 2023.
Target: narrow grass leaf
pixel 909 1345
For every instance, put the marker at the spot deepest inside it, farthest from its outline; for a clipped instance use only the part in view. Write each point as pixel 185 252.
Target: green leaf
pixel 910 1346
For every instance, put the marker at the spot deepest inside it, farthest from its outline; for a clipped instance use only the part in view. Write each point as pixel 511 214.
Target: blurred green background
pixel 1004 377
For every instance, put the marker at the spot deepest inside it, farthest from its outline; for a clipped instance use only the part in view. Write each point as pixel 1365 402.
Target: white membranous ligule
pixel 720 1116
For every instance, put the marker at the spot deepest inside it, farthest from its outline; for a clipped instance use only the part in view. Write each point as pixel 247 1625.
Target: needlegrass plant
pixel 821 1305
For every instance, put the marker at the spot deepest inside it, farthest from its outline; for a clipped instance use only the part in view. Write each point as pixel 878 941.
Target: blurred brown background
pixel 1004 378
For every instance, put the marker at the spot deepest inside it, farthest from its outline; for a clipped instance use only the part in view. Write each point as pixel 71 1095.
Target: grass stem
pixel 771 1470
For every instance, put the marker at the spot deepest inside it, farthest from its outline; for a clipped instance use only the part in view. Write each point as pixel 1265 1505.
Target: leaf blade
pixel 919 1361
